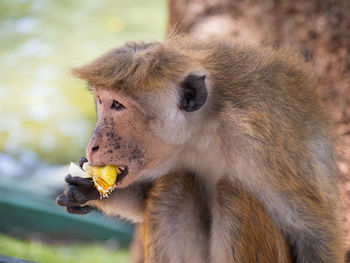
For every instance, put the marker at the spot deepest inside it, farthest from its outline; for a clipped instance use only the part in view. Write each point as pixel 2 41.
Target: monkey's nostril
pixel 95 148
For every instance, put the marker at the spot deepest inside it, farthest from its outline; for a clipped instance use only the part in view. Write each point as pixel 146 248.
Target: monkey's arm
pixel 128 202
pixel 80 196
pixel 176 224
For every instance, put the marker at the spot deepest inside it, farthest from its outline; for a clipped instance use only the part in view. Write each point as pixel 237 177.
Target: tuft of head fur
pixel 134 66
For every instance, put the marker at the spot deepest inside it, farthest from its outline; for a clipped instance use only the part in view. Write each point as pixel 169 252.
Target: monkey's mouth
pixel 123 172
pixel 107 180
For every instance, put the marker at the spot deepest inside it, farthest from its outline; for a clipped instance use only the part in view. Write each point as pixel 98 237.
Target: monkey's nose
pixel 95 148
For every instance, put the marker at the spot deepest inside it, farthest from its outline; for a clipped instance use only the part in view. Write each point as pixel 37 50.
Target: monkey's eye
pixel 116 105
pixel 99 100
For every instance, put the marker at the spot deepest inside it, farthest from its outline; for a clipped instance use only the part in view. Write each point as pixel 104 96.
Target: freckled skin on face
pixel 123 138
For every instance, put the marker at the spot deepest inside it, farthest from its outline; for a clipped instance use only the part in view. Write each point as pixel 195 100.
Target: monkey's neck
pixel 205 156
pixel 215 152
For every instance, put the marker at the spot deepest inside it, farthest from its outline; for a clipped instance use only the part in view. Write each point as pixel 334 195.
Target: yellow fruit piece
pixel 107 173
pixel 104 178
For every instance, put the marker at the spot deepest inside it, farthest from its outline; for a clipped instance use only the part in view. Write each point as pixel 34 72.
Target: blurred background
pixel 46 116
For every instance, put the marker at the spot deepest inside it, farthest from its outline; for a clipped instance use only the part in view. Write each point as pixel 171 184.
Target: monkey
pixel 247 116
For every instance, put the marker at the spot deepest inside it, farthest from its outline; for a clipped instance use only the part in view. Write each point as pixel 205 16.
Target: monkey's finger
pixel 75 180
pixel 82 160
pixel 80 210
pixel 74 194
pixel 62 200
pixel 80 189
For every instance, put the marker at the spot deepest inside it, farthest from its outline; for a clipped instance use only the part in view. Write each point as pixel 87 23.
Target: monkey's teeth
pixel 107 192
pixel 121 168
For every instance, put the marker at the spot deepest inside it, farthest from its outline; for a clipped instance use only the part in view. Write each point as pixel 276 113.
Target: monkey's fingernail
pixel 82 160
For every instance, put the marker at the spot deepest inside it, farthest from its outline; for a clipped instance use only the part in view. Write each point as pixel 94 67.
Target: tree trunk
pixel 319 29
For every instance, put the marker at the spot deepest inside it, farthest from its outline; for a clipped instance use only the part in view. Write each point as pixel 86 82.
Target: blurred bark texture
pixel 319 29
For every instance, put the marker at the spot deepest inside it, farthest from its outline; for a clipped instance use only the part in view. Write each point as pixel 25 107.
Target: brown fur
pixel 262 128
pixel 253 236
pixel 176 222
pixel 139 67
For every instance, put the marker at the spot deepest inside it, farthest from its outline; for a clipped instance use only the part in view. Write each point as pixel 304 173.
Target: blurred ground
pixel 83 253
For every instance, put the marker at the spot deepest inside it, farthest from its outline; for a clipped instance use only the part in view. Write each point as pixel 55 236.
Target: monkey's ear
pixel 193 93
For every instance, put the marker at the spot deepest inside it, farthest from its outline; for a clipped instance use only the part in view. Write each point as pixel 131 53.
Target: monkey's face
pixel 143 134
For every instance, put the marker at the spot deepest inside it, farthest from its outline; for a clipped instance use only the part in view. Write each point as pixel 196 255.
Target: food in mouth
pixel 104 177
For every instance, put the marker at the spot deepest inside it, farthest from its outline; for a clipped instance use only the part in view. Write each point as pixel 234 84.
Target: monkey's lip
pixel 121 176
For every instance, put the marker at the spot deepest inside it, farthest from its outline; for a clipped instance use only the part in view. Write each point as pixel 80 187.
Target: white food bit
pixel 75 170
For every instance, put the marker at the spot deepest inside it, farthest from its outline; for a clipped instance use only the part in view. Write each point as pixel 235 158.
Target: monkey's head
pixel 148 99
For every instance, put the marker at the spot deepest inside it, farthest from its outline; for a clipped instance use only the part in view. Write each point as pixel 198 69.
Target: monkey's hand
pixel 81 196
pixel 77 192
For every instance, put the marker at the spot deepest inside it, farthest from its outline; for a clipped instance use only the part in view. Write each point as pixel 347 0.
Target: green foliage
pixel 76 253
